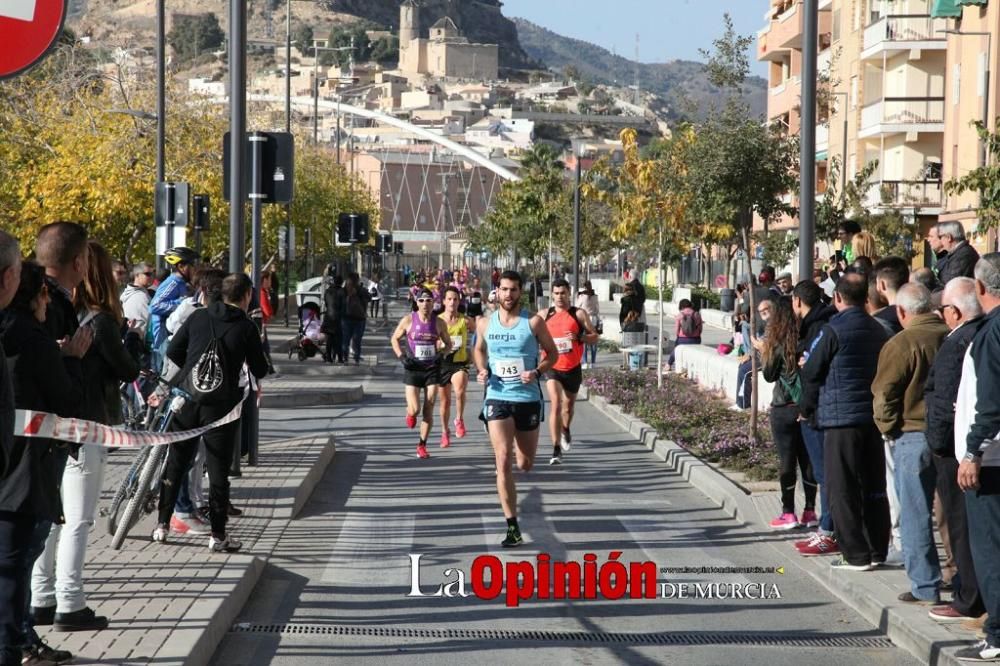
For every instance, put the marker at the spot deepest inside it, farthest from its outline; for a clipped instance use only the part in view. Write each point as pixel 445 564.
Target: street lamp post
pixel 576 220
pixel 807 202
pixel 843 150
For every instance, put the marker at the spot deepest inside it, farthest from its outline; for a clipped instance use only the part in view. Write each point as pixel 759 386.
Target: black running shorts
pixel 570 380
pixel 422 378
pixel 526 415
pixel 449 370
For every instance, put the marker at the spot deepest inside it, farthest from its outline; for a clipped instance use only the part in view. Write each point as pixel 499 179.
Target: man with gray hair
pixel 961 258
pixel 977 426
pixel 962 313
pixel 900 415
pixel 135 298
pixel 16 526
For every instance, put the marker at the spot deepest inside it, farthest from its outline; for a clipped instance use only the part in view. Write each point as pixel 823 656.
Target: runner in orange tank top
pixel 570 328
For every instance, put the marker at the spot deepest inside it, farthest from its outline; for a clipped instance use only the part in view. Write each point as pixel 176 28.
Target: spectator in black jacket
pixel 813 316
pixel 57 588
pixel 355 317
pixel 842 362
pixel 961 258
pixel 890 274
pixel 964 315
pixel 333 314
pixel 44 379
pixel 238 342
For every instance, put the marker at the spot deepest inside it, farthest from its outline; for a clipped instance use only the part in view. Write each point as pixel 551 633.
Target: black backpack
pixel 204 381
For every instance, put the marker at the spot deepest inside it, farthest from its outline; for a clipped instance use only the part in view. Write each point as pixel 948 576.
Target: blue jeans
pixel 814 445
pixel 983 509
pixel 589 353
pixel 354 330
pixel 915 478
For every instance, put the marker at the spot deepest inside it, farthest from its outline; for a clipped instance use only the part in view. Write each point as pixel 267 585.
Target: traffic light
pixel 352 229
pixel 384 244
pixel 200 212
pixel 398 248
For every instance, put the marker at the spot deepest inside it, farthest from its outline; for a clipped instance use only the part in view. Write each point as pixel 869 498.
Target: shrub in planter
pixel 682 412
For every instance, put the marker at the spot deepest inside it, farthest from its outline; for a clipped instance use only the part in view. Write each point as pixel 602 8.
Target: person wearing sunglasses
pixel 135 298
pixel 426 337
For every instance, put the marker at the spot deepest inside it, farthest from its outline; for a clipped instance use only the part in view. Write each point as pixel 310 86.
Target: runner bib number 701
pixel 424 352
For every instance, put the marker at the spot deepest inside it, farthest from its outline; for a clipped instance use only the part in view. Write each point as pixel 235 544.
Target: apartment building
pixel 883 64
pixel 971 94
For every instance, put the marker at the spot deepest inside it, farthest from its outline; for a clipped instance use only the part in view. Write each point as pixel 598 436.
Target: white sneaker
pixel 555 460
pixel 160 533
pixel 226 545
pixel 566 441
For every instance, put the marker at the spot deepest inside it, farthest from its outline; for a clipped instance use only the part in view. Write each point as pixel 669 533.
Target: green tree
pixel 386 49
pixel 343 37
pixel 739 165
pixel 524 211
pixel 303 37
pixel 984 180
pixel 194 34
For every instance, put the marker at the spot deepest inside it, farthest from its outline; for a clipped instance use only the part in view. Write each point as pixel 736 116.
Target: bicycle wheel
pixel 126 489
pixel 133 509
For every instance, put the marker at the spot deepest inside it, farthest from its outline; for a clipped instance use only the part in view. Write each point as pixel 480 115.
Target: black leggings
pixel 219 446
pixel 787 435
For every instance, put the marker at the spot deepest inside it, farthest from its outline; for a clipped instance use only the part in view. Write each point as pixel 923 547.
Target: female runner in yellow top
pixel 454 373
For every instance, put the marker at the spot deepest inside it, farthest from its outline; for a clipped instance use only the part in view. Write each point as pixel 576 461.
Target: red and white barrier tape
pixel 29 423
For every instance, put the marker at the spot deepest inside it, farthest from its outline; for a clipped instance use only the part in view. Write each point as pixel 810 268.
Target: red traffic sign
pixel 28 29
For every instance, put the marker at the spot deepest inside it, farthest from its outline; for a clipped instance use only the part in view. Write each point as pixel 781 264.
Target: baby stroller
pixel 307 343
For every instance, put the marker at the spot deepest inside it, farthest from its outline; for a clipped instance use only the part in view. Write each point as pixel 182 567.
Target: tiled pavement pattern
pixel 170 604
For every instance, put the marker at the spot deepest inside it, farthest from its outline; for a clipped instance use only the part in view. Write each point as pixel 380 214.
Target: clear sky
pixel 668 29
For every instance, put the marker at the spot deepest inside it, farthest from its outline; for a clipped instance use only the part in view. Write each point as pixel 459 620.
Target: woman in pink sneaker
pixel 778 357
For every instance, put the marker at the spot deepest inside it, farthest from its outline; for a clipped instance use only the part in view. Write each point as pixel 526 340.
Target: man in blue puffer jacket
pixel 841 362
pixel 168 296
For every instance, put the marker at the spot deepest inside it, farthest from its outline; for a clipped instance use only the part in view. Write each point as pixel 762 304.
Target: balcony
pixel 784 97
pixel 905 194
pixel 822 138
pixel 893 115
pixel 894 34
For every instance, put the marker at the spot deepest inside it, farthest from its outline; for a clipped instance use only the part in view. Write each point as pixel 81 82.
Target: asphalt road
pixel 338 585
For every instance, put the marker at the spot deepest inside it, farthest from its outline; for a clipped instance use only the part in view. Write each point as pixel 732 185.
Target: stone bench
pixel 714 372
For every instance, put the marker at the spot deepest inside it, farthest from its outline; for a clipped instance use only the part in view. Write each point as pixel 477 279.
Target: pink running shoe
pixel 411 421
pixel 445 440
pixel 786 521
pixel 422 451
pixel 809 519
pixel 459 428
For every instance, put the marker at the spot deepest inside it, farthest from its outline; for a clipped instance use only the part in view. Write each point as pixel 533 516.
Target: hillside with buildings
pixel 681 84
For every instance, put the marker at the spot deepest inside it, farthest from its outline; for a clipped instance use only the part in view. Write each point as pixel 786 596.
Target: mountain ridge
pixel 681 83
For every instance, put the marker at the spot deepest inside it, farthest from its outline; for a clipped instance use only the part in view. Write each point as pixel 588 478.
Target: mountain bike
pixel 140 489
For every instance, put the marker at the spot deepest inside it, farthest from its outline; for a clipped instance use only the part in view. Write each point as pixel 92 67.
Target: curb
pixel 203 626
pixel 323 397
pixel 907 627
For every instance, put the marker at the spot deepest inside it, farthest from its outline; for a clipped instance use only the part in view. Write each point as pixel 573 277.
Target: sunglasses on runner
pixel 424 300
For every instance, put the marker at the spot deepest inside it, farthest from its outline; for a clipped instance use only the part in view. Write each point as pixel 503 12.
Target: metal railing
pixel 903 111
pixel 905 28
pixel 906 193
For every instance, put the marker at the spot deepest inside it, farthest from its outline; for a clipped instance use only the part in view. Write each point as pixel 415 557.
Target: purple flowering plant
pixel 695 419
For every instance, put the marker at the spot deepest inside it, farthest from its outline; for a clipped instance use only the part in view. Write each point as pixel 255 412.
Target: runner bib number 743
pixel 508 369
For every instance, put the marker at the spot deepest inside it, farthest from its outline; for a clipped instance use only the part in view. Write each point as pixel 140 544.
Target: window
pixel 854 92
pixel 836 25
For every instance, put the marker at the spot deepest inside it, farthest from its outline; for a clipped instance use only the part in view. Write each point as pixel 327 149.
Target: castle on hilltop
pixel 447 53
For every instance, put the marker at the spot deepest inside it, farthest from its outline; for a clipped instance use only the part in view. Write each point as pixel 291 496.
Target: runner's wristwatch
pixel 973 456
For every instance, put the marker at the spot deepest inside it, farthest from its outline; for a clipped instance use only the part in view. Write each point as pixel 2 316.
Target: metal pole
pixel 315 96
pixel 659 307
pixel 843 167
pixel 807 204
pixel 237 131
pixel 288 130
pixel 576 230
pixel 161 96
pixel 257 140
pixel 986 94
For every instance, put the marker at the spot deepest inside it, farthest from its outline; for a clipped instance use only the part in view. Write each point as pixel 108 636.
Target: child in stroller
pixel 310 338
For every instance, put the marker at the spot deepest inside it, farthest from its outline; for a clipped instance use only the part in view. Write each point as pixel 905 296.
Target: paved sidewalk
pixel 872 594
pixel 170 604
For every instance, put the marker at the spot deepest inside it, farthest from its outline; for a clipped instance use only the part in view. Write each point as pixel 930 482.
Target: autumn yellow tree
pixel 650 199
